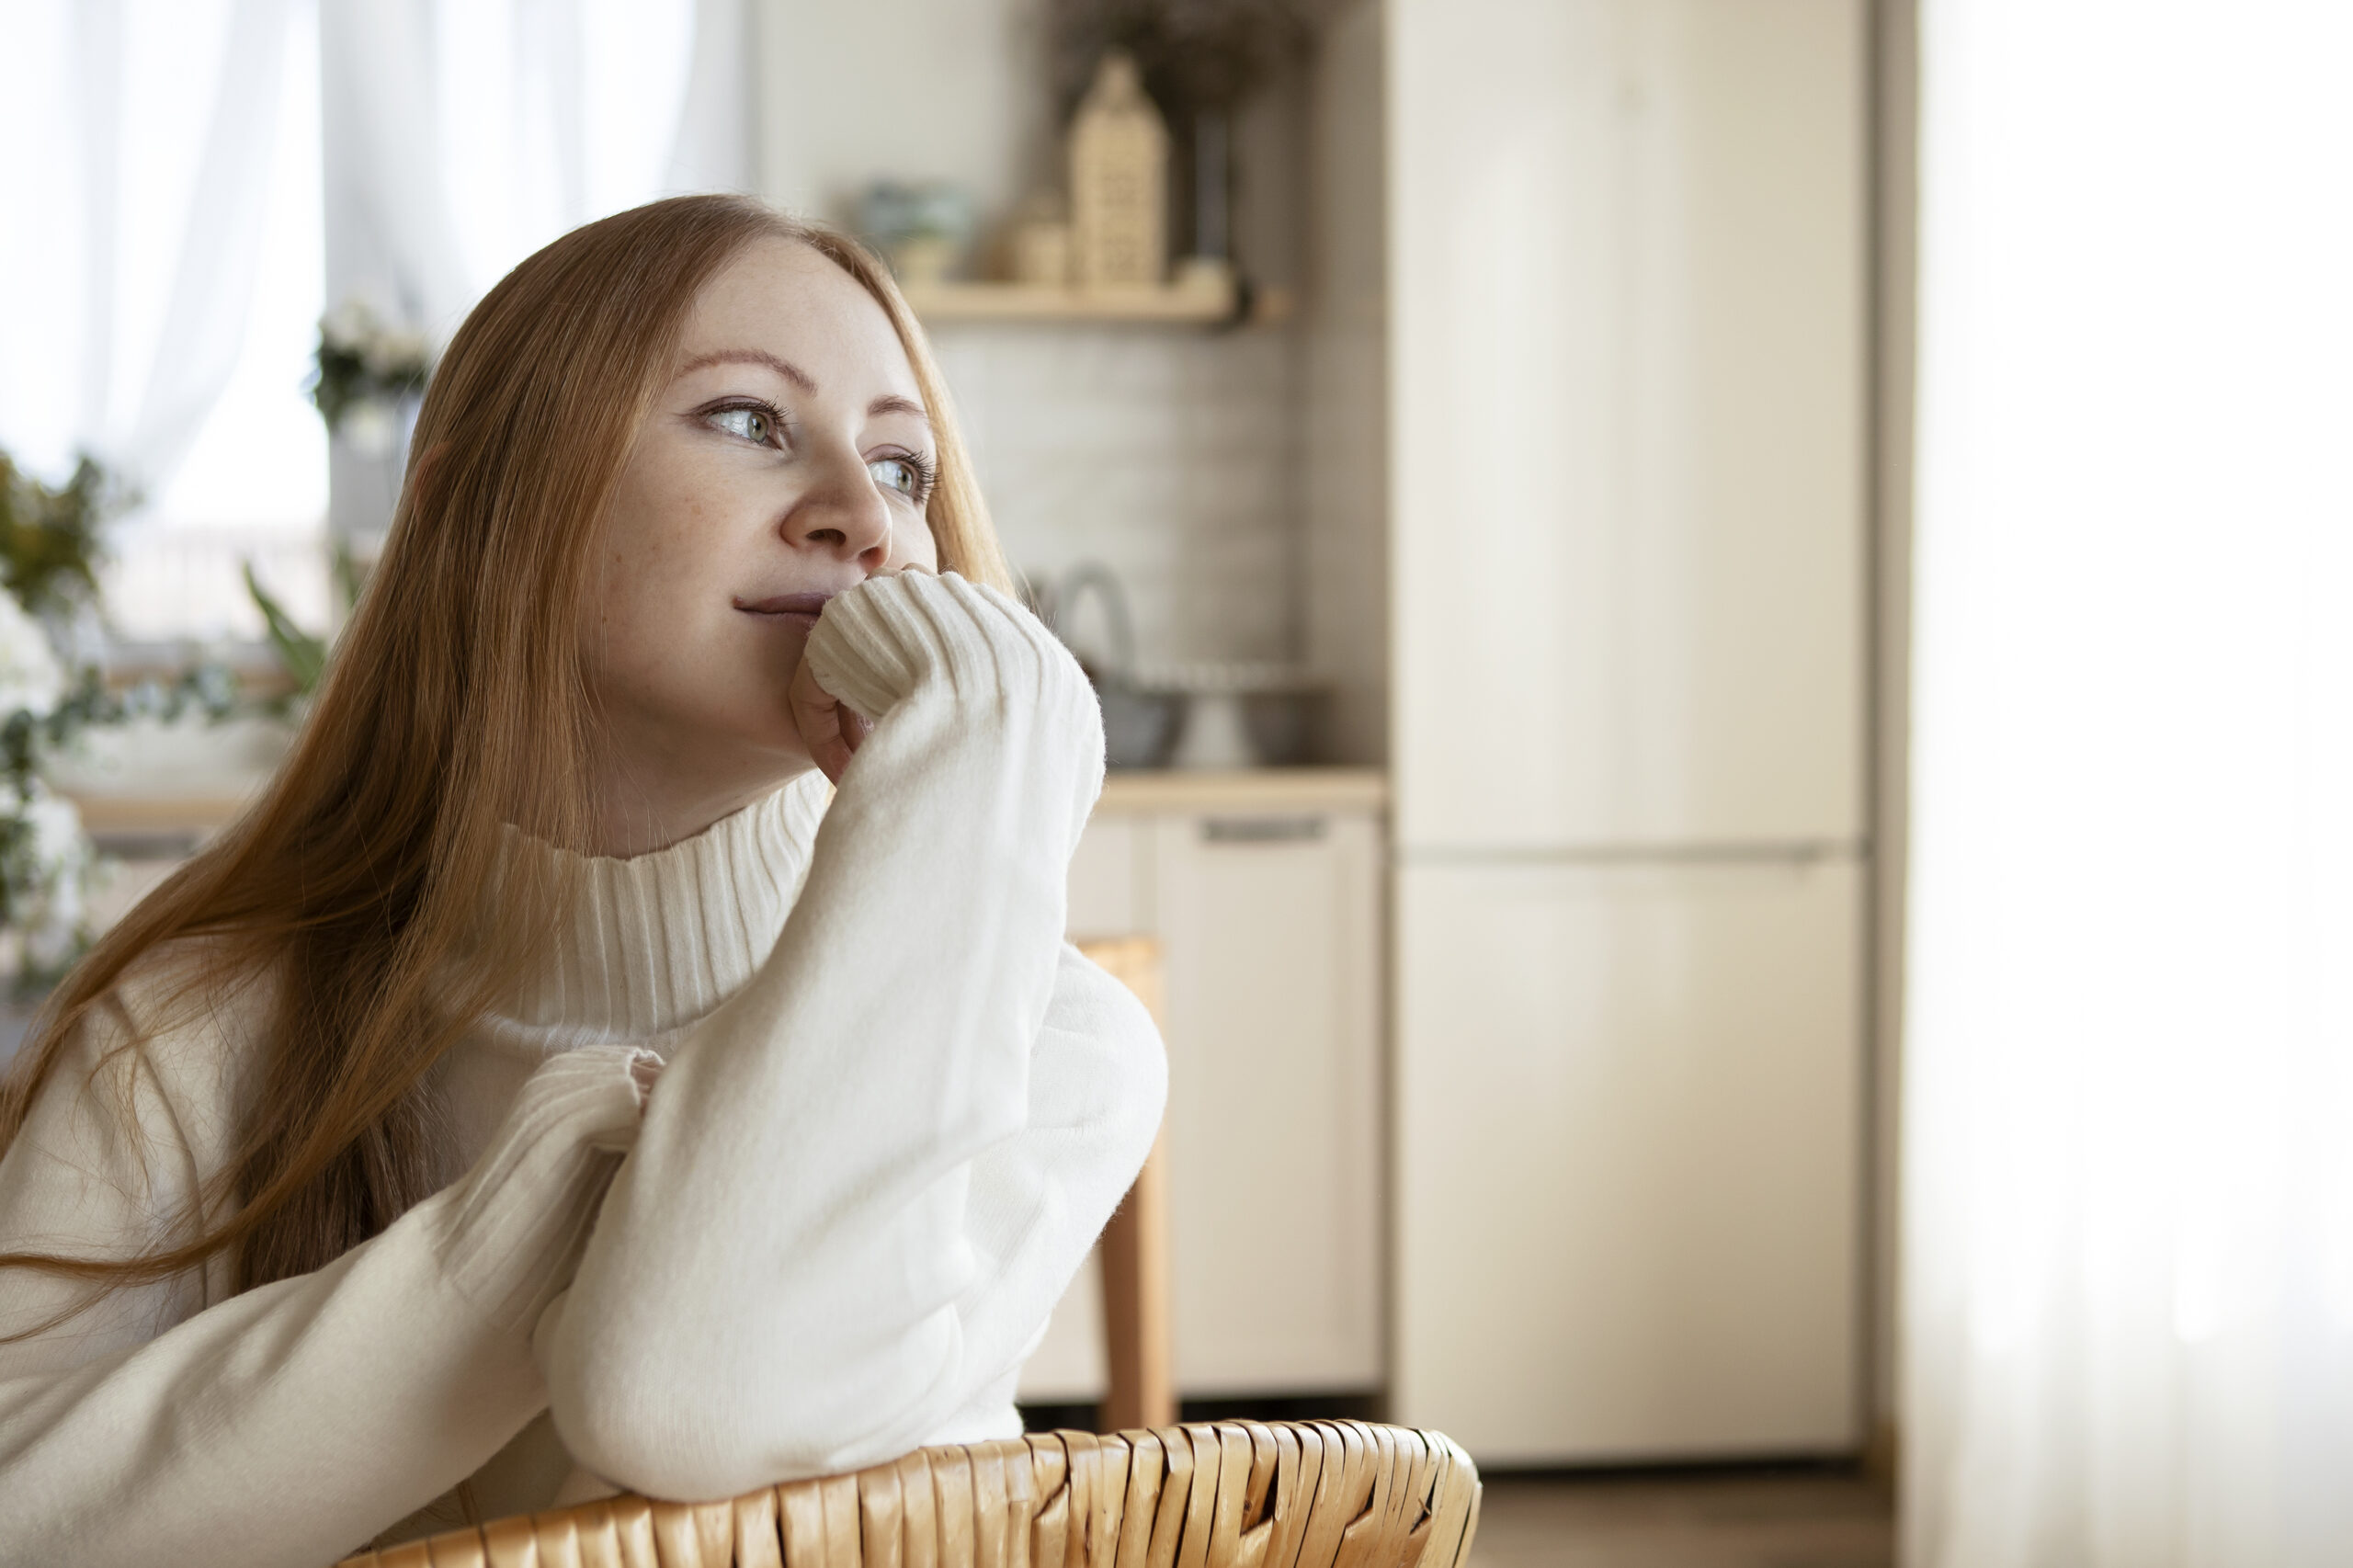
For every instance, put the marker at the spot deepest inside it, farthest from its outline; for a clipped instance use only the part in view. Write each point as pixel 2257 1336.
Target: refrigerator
pixel 1628 331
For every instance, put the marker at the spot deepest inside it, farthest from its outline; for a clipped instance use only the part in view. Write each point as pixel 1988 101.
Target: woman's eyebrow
pixel 785 368
pixel 889 403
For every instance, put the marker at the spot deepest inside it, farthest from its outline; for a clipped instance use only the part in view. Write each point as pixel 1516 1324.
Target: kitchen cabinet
pixel 1266 895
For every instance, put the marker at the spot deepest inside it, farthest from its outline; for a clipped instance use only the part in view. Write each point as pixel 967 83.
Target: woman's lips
pixel 800 609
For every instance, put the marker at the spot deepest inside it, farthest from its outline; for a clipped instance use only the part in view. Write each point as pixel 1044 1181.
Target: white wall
pixel 1171 455
pixel 910 89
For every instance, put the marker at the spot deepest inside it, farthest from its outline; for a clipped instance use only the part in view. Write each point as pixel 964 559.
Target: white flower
pixel 48 871
pixel 385 348
pixel 351 324
pixel 369 429
pixel 396 352
pixel 30 676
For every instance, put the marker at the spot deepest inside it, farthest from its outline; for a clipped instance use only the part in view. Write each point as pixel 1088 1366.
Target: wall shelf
pixel 1138 304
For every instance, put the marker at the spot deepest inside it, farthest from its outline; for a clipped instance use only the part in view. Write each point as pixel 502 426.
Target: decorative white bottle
pixel 1119 181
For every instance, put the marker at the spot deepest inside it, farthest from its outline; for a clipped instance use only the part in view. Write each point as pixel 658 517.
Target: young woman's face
pixel 787 456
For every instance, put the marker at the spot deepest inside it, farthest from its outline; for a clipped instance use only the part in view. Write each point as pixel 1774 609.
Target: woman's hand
pixel 829 727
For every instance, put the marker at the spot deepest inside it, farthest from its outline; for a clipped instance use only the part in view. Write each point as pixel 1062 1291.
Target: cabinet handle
pixel 1261 830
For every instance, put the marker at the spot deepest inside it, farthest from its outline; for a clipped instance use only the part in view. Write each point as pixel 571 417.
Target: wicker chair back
pixel 1228 1495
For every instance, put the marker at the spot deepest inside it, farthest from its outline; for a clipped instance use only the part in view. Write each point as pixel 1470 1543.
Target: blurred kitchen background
pixel 1469 441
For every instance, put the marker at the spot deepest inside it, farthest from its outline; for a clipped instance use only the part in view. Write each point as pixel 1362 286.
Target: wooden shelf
pixel 1141 304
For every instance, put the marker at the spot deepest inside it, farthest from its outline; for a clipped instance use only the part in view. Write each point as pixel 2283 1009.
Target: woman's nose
pixel 842 514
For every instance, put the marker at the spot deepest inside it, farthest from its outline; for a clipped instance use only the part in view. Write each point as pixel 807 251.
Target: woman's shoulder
pixel 135 1112
pixel 192 998
pixel 170 1046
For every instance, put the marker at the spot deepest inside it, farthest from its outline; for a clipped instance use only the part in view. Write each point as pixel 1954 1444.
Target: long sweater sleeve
pixel 289 1424
pixel 863 1182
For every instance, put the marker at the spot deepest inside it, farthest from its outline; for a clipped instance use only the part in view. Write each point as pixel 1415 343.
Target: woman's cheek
pixel 912 544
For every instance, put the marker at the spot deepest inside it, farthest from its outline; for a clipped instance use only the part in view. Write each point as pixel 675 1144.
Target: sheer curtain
pixel 2128 1069
pixel 461 135
pixel 163 224
pixel 159 289
pixel 136 143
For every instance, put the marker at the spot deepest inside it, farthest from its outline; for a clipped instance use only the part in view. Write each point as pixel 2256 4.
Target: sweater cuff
pixel 876 643
pixel 511 1230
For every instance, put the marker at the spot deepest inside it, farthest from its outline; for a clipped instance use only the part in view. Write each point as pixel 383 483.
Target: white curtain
pixel 461 135
pixel 464 134
pixel 2129 1055
pixel 153 161
pixel 135 152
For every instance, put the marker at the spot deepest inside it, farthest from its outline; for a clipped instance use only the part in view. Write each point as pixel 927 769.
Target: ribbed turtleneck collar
pixel 658 940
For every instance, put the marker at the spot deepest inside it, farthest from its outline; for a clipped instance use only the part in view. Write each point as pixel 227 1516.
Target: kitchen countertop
pixel 1140 791
pixel 200 814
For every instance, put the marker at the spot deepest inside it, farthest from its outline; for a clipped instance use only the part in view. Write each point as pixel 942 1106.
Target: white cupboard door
pixel 1069 1367
pixel 1627 421
pixel 1272 940
pixel 1628 1125
pixel 1111 895
pixel 1110 879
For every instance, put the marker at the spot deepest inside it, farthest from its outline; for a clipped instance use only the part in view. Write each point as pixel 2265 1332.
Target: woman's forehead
pixel 781 298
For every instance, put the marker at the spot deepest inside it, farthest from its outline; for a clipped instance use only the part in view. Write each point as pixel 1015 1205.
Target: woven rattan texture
pixel 1232 1494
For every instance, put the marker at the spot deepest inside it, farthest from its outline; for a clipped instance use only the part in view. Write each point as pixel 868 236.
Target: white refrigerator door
pixel 1626 1151
pixel 1627 421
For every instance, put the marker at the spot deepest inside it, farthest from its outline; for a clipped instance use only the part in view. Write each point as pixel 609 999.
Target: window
pixel 171 156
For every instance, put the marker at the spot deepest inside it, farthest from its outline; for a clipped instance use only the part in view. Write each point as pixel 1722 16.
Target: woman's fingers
pixel 829 728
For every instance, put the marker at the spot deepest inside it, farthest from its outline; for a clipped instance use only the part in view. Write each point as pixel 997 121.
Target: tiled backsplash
pixel 1173 457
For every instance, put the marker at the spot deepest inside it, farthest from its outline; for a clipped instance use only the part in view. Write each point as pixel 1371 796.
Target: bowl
pixel 1139 726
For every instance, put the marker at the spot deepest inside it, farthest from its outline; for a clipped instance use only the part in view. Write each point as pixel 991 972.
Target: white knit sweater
pixel 894 1110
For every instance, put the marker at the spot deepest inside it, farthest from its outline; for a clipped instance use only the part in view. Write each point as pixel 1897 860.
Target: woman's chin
pixel 747 744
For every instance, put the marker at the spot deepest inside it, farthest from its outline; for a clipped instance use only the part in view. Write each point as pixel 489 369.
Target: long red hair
pixel 455 704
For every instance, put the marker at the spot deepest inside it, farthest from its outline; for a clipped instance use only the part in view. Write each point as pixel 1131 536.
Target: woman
pixel 543 1089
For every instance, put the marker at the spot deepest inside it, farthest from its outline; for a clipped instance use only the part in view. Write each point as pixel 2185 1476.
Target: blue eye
pixel 752 424
pixel 902 474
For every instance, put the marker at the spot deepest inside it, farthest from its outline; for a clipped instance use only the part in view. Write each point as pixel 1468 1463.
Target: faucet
pixel 1061 617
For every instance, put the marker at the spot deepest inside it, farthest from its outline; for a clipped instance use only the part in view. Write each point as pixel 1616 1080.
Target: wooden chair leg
pixel 1143 1384
pixel 1141 1388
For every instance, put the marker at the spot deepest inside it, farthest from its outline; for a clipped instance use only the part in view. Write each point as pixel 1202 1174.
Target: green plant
pixel 51 546
pixel 350 574
pixel 50 543
pixel 47 862
pixel 304 656
pixel 27 738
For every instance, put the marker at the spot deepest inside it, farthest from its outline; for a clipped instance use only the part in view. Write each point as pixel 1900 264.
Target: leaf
pixel 49 545
pixel 303 656
pixel 350 574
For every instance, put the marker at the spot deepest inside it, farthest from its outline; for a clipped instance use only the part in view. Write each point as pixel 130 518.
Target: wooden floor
pixel 1716 1519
